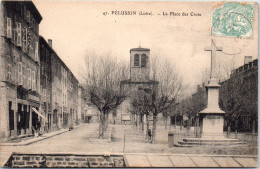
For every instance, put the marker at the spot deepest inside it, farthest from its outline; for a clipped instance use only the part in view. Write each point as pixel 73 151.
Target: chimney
pixel 50 42
pixel 247 59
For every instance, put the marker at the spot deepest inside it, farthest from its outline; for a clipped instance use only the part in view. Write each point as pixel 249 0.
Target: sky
pixel 79 27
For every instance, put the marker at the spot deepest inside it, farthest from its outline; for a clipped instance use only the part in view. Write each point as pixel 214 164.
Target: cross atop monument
pixel 213 49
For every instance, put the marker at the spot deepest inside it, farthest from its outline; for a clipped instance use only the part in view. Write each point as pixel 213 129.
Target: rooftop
pixel 139 49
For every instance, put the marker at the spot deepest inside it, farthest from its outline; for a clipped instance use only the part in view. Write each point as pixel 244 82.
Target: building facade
pixel 239 97
pixel 72 100
pixel 20 69
pixel 46 83
pixel 59 89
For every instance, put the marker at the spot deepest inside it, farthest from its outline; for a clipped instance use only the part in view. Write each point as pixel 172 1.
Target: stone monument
pixel 211 118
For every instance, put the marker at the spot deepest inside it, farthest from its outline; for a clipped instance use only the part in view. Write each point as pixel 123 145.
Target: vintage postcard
pixel 128 84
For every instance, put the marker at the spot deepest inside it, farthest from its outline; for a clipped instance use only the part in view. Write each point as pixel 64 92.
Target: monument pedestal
pixel 212 126
pixel 212 117
pixel 211 123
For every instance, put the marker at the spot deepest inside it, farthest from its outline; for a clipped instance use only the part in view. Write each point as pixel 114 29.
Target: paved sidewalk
pixel 5 155
pixel 36 139
pixel 189 160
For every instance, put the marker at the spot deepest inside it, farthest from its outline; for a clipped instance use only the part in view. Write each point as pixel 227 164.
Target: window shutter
pixel 25 40
pixel 36 52
pixel 9 28
pixel 19 34
pixel 9 72
pixel 28 16
pixel 33 81
pixel 24 77
pixel 31 51
pixel 24 12
pixel 29 79
pixel 20 78
pixel 14 34
pixel 44 95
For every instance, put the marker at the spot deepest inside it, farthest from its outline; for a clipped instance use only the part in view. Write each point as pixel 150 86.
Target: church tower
pixel 139 80
pixel 139 64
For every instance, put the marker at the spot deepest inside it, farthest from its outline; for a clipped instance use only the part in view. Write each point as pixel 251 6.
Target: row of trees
pixel 237 97
pixel 161 97
pixel 102 78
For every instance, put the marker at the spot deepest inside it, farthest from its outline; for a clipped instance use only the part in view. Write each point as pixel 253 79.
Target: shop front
pixel 28 118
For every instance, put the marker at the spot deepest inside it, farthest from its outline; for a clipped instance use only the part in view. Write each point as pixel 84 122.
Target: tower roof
pixel 139 49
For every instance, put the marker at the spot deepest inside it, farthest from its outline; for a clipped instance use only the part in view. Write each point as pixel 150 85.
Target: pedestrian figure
pixel 149 134
pixel 229 131
pixel 38 127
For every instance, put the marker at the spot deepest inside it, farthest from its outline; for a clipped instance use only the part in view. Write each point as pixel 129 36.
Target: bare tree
pixel 141 103
pixel 102 82
pixel 167 93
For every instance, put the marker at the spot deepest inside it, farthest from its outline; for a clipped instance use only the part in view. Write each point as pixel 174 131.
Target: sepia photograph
pixel 125 84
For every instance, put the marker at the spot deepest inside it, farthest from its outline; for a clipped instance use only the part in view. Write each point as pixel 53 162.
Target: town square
pixel 128 84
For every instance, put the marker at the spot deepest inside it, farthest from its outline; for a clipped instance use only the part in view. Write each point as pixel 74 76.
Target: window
pixel 24 12
pixel 24 77
pixel 33 24
pixel 36 52
pixel 9 28
pixel 143 60
pixel 31 50
pixel 19 34
pixel 29 79
pixel 33 81
pixel 25 40
pixel 44 95
pixel 136 60
pixel 20 75
pixel 9 69
pixel 28 16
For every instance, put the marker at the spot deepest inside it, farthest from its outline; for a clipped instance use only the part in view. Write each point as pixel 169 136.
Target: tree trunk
pixel 99 128
pixel 101 125
pixel 236 126
pixel 189 124
pixel 166 119
pixel 142 121
pixel 175 120
pixel 106 121
pixel 136 127
pixel 147 125
pixel 181 122
pixel 154 128
pixel 253 127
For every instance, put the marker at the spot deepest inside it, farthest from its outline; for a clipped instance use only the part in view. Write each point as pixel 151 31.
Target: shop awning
pixel 37 112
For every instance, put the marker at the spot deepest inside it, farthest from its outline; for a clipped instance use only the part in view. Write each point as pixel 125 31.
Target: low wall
pixel 64 160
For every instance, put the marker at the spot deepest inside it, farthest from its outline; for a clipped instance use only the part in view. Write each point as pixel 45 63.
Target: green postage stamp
pixel 233 19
